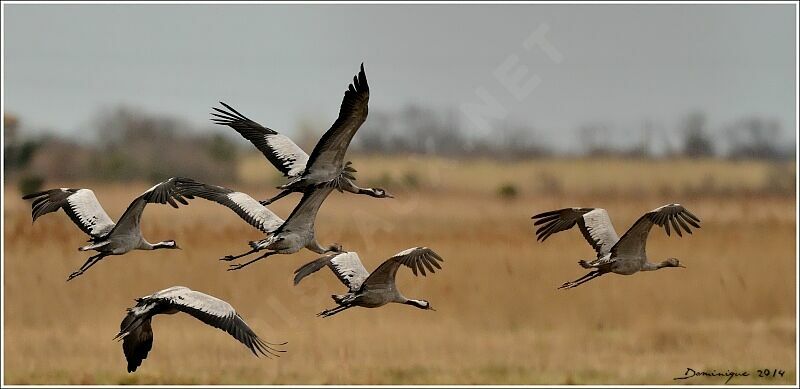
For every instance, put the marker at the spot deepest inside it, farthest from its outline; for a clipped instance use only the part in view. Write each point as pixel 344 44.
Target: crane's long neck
pixel 369 191
pixel 399 298
pixel 167 244
pixel 417 303
pixel 348 186
pixel 649 266
pixel 145 245
pixel 317 248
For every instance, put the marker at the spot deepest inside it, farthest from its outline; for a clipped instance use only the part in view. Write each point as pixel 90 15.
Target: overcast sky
pixel 615 64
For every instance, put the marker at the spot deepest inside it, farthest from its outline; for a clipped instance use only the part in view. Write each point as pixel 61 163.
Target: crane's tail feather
pixel 343 299
pixel 129 324
pixel 93 246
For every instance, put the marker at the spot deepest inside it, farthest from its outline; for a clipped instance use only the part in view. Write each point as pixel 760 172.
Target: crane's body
pixel 136 331
pixel 376 289
pixel 326 164
pixel 106 237
pixel 625 255
pixel 283 236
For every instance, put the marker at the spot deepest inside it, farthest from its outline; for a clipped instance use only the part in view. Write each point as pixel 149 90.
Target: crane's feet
pixel 332 311
pixel 74 274
pixel 569 285
pixel 265 202
pixel 227 258
pixel 235 266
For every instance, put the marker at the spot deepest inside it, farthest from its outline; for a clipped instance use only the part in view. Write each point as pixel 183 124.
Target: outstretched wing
pixel 634 241
pixel 245 206
pixel 80 205
pixel 416 258
pixel 305 213
pixel 216 313
pixel 331 148
pixel 167 192
pixel 594 224
pixel 138 338
pixel 347 267
pixel 284 154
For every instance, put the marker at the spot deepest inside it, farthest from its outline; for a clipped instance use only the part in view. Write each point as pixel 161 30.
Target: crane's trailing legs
pixel 333 311
pixel 89 263
pixel 237 266
pixel 586 278
pixel 232 257
pixel 275 198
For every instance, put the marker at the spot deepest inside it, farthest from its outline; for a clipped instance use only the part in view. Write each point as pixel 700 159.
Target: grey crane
pixel 107 237
pixel 376 289
pixel 326 162
pixel 625 255
pixel 136 331
pixel 283 236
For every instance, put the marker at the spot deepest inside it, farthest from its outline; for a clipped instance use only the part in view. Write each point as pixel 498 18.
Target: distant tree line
pixel 417 130
pixel 420 130
pixel 132 144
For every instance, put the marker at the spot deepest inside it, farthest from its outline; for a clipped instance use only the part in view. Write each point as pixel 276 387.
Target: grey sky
pixel 622 64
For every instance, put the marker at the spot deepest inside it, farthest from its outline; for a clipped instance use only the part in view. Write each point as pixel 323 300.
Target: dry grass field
pixel 499 317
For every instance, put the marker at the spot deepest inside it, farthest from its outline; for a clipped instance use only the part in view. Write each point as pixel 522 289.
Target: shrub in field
pixel 508 191
pixel 30 183
pixel 411 180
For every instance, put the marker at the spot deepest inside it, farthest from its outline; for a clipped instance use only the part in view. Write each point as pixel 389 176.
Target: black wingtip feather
pixel 691 215
pixel 234 111
pixel 421 268
pixel 682 223
pixel 689 220
pixel 427 262
pixel 543 214
pixel 675 226
pixel 545 219
pixel 33 195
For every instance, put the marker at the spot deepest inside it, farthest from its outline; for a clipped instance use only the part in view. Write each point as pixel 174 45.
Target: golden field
pixel 499 317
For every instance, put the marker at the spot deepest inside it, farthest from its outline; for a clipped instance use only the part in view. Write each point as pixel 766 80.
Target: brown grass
pixel 499 317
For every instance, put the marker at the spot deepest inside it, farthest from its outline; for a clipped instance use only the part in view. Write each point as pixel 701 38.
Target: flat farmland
pixel 499 317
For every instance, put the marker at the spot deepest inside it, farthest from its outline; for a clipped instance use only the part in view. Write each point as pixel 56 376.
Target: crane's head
pixel 381 193
pixel 334 248
pixel 167 244
pixel 421 304
pixel 375 192
pixel 672 262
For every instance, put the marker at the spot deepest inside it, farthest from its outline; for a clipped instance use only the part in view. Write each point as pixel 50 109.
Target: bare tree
pixel 594 139
pixel 516 140
pixel 696 142
pixel 756 137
